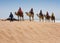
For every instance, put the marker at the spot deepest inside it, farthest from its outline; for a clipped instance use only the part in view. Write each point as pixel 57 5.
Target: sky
pixel 7 6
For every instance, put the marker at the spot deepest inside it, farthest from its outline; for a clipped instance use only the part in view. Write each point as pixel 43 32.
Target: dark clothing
pixel 40 13
pixel 11 17
pixel 31 11
pixel 47 15
pixel 53 17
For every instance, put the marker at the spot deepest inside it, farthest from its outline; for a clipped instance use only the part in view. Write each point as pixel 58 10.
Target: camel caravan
pixel 30 14
pixel 46 16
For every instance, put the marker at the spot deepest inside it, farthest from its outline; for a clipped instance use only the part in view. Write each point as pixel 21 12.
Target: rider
pixel 20 11
pixel 40 13
pixel 11 16
pixel 52 14
pixel 31 11
pixel 47 14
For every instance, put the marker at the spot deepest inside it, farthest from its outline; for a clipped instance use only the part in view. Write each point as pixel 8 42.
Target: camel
pixel 41 17
pixel 53 17
pixel 47 17
pixel 19 16
pixel 30 16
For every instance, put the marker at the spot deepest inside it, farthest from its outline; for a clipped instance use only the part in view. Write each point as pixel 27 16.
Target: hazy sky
pixel 7 6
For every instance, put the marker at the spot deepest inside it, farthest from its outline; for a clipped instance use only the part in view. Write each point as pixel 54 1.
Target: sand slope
pixel 29 32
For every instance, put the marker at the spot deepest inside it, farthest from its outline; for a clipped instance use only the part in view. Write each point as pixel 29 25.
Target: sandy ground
pixel 29 32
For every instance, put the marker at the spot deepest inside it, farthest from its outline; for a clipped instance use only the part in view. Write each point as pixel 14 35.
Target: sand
pixel 29 32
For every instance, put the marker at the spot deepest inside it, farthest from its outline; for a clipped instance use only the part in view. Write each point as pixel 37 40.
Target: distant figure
pixel 11 16
pixel 47 16
pixel 30 14
pixel 41 16
pixel 20 14
pixel 53 17
pixel 31 11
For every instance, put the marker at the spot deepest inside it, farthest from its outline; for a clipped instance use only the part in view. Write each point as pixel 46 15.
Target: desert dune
pixel 29 32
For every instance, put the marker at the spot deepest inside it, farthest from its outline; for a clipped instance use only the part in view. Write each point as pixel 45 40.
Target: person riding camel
pixel 20 11
pixel 40 13
pixel 31 11
pixel 47 14
pixel 52 14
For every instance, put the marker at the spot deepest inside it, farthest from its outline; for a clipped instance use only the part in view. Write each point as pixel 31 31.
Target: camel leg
pixel 23 18
pixel 54 20
pixel 39 19
pixel 18 18
pixel 46 20
pixel 43 20
pixel 30 18
pixel 49 20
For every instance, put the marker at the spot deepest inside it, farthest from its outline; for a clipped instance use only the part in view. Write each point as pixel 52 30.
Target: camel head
pixel 16 14
pixel 26 13
pixel 37 15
